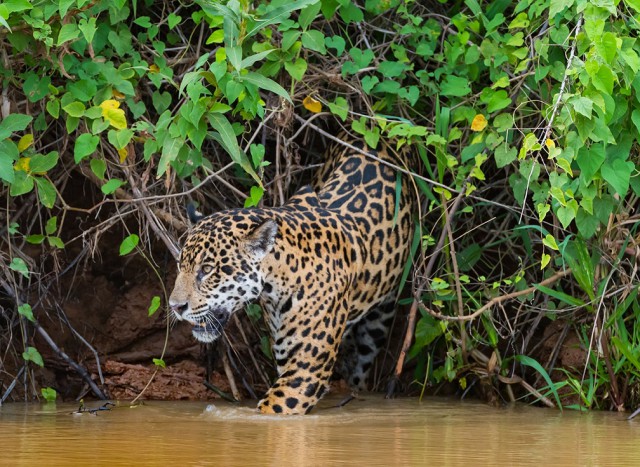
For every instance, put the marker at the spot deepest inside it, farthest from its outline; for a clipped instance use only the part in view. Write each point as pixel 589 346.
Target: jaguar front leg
pixel 306 363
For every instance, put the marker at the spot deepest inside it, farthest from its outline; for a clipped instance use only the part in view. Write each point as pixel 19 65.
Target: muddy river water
pixel 372 431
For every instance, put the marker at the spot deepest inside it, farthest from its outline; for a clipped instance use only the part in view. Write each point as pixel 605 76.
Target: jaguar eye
pixel 207 268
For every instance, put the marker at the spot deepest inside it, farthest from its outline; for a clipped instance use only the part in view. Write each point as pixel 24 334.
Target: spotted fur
pixel 325 266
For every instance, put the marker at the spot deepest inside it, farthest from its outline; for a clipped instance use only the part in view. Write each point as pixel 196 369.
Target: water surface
pixel 373 431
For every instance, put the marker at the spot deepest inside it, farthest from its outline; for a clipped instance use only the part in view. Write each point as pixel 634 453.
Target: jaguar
pixel 325 266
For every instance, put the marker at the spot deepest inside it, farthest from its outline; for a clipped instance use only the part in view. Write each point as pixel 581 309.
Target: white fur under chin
pixel 205 337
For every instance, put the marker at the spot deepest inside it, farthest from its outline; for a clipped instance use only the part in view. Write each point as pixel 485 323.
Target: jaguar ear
pixel 193 214
pixel 261 241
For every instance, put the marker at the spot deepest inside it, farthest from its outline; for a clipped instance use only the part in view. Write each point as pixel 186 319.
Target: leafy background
pixel 525 114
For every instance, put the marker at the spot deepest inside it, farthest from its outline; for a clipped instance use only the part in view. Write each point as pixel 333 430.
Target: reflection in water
pixel 373 431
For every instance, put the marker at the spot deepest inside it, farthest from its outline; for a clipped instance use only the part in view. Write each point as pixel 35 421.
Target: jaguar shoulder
pixel 326 267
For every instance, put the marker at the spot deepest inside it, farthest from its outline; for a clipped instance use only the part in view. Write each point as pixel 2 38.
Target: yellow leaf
pixel 312 105
pixel 23 164
pixel 113 114
pixel 123 153
pixel 109 104
pixel 117 94
pixel 479 123
pixel 545 260
pixel 154 68
pixel 549 143
pixel 25 142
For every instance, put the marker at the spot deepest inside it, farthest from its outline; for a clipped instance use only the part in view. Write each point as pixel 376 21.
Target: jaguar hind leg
pixel 362 343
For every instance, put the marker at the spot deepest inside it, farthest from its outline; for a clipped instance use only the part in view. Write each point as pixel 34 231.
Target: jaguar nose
pixel 178 308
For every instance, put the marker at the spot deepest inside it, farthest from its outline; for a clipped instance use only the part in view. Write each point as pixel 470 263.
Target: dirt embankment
pixel 113 319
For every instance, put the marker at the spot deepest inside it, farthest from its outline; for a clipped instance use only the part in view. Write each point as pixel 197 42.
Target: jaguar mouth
pixel 209 327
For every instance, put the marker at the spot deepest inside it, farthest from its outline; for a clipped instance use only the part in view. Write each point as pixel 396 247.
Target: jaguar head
pixel 219 272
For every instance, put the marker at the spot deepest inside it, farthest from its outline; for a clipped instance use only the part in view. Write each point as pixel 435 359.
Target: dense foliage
pixel 525 113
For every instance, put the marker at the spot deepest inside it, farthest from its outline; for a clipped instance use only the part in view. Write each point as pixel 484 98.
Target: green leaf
pixel 582 105
pixel 22 184
pixel 603 80
pixel 35 239
pixel 607 47
pixel 469 256
pixel 233 90
pixel 229 141
pixel 626 350
pixel 278 14
pixel 589 160
pixel 558 6
pixel 635 117
pixel 161 101
pixel 528 361
pixel 64 6
pixel 155 304
pixel 308 14
pixel 120 138
pixel 498 101
pixel 296 69
pixel 12 123
pixel 173 20
pixel 68 32
pixel 18 265
pixel 32 355
pixel 143 21
pixel 85 145
pixel 455 86
pixel 618 173
pixel 265 83
pixel 75 109
pixel 337 43
pixel 550 242
pixel 56 242
pixel 427 331
pixel 26 311
pixel 41 164
pixel 49 394
pixel 248 61
pixel 265 347
pixel 505 155
pixel 577 257
pixel 565 215
pixel 257 154
pixel 128 244
pixel 46 192
pixel 587 223
pixel 13 6
pixel 314 40
pixel 234 55
pixel 111 186
pixel 390 69
pixel 159 362
pixel 254 197
pixel 563 297
pixel 6 162
pixel 84 90
pixel 98 167
pixel 340 108
pixel 254 312
pixel 350 12
pixel 289 39
pixel 36 87
pixel 53 107
pixel 362 58
pixel 88 28
pixel 170 151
